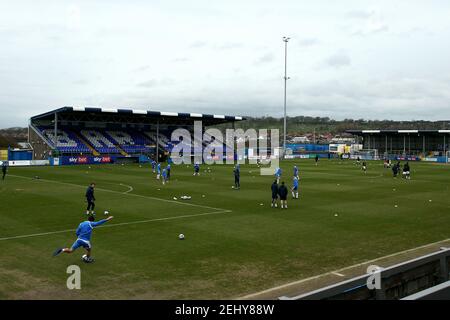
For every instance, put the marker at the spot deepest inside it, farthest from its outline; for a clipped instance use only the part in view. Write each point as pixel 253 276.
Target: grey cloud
pixel 181 59
pixel 308 42
pixel 148 84
pixel 266 58
pixel 156 82
pixel 360 14
pixel 141 68
pixel 229 45
pixel 338 60
pixel 198 44
pixel 81 82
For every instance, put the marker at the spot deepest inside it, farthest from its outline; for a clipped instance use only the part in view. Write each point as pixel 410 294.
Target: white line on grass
pixel 253 295
pixel 338 274
pixel 130 188
pixel 118 224
pixel 129 194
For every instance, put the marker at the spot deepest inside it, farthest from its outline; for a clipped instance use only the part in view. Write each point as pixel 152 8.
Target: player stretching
pixel 90 198
pixel 295 188
pixel 4 169
pixel 274 189
pixel 84 233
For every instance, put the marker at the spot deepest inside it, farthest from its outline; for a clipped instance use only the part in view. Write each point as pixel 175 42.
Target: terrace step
pixel 94 152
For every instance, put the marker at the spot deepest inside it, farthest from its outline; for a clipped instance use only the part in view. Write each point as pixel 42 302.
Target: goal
pixel 366 154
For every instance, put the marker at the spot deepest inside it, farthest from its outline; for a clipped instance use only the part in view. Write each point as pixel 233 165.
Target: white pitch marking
pixel 130 188
pixel 338 274
pixel 129 194
pixel 117 224
pixel 252 295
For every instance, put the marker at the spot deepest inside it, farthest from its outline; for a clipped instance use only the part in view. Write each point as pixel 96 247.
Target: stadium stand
pixel 116 133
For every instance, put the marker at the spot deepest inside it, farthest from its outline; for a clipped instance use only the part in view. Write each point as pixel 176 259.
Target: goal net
pixel 366 154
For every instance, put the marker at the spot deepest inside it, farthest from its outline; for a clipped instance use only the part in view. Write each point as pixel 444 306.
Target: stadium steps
pixel 94 152
pixel 122 152
pixel 152 139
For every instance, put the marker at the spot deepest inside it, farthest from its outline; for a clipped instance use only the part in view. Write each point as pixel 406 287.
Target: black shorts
pixel 283 198
pixel 274 196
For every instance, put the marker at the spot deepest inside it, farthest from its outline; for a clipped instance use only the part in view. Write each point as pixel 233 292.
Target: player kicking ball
pixel 84 233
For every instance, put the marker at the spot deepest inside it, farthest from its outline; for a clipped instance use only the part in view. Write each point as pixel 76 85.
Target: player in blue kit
pixel 295 188
pixel 153 166
pixel 295 171
pixel 164 176
pixel 84 233
pixel 278 173
pixel 158 170
pixel 196 169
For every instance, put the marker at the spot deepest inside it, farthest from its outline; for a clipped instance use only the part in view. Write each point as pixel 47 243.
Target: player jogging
pixel 317 160
pixel 283 192
pixel 274 189
pixel 406 171
pixel 90 198
pixel 295 188
pixel 364 167
pixel 4 169
pixel 153 166
pixel 84 233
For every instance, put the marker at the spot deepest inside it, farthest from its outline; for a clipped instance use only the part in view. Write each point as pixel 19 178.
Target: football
pixel 106 212
pixel 181 236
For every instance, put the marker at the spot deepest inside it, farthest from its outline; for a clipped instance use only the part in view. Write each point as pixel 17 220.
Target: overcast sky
pixel 346 59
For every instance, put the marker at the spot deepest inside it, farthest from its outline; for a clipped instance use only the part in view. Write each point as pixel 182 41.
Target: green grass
pixel 225 254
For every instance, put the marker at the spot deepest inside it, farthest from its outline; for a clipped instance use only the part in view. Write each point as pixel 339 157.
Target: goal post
pixel 366 154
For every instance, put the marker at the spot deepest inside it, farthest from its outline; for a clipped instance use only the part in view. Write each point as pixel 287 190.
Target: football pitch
pixel 235 244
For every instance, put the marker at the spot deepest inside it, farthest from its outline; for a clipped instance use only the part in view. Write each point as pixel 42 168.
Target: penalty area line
pixel 118 224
